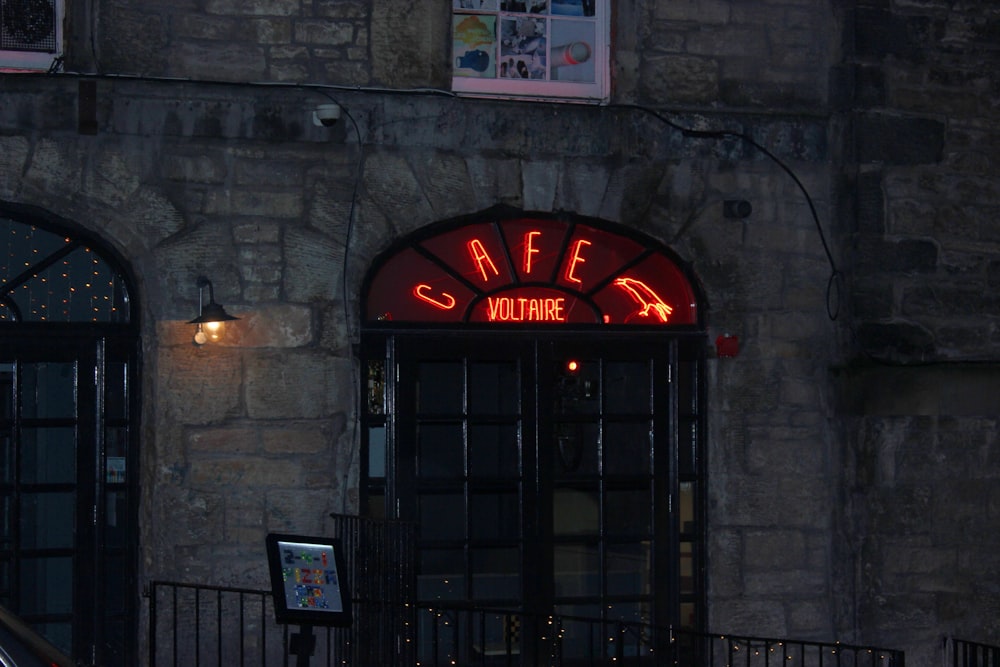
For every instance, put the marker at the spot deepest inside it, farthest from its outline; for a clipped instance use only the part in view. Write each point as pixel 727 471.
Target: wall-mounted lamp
pixel 210 315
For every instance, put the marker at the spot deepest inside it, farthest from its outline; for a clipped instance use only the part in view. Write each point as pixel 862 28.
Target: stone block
pixel 296 385
pixel 273 326
pixel 215 441
pixel 898 140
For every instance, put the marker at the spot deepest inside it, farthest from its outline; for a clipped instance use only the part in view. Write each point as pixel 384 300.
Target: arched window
pixel 534 403
pixel 69 400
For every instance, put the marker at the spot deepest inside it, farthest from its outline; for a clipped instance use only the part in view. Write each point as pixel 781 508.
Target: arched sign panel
pixel 528 270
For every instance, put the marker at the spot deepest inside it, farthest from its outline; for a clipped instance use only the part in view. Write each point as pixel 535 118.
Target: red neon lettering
pixel 523 309
pixel 422 290
pixel 645 297
pixel 530 249
pixel 481 258
pixel 576 259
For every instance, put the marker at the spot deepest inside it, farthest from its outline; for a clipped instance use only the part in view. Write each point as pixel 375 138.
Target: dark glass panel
pixel 628 513
pixel 441 574
pixel 51 589
pixel 576 512
pixel 627 387
pixel 441 450
pixel 48 455
pixel 47 520
pixel 577 570
pixel 495 516
pixel 496 574
pixel 493 451
pixel 442 516
pixel 629 569
pixel 576 450
pixel 494 388
pixel 48 390
pixel 628 448
pixel 115 390
pixel 440 387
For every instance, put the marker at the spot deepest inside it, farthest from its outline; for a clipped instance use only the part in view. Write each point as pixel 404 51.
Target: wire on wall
pixel 833 285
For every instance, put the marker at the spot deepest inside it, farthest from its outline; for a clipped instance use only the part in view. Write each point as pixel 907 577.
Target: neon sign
pixel 530 270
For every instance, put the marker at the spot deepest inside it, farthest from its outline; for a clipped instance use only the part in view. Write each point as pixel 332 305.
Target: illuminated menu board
pixel 530 271
pixel 308 580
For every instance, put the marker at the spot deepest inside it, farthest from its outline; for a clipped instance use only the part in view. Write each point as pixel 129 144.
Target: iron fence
pixel 211 626
pixel 965 653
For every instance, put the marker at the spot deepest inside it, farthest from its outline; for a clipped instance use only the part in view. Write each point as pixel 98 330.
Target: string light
pixel 81 286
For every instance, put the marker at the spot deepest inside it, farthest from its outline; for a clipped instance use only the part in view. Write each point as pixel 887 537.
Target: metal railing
pixel 211 626
pixel 965 653
pixel 458 635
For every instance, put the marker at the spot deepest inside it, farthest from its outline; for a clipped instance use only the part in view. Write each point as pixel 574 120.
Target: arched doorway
pixel 534 403
pixel 69 411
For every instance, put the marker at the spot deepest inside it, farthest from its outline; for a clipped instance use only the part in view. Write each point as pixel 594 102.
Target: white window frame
pixel 28 60
pixel 558 34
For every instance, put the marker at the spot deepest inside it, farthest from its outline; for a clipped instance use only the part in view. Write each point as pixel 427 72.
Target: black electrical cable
pixel 833 287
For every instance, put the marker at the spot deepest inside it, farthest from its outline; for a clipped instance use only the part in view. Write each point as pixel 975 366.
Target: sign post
pixel 309 587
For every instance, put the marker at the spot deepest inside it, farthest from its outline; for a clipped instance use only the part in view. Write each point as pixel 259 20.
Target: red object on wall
pixel 727 345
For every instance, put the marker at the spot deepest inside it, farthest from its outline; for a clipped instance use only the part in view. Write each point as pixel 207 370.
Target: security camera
pixel 326 115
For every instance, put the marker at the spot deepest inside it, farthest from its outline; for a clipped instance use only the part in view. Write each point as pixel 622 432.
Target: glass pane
pixel 627 447
pixel 627 387
pixel 47 520
pixel 577 570
pixel 376 451
pixel 114 586
pixel 6 391
pixel 577 387
pixel 576 512
pixel 441 450
pixel 442 516
pixel 441 575
pixel 687 442
pixel 687 567
pixel 440 387
pixel 493 450
pixel 495 516
pixel 496 574
pixel 628 513
pixel 116 444
pixel 48 455
pixel 115 403
pixel 576 450
pixel 494 388
pixel 687 507
pixel 6 458
pixel 60 634
pixel 629 569
pixel 582 639
pixel 7 535
pixel 49 390
pixel 116 519
pixel 51 589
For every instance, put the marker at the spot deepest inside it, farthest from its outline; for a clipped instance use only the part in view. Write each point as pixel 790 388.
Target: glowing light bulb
pixel 199 336
pixel 214 331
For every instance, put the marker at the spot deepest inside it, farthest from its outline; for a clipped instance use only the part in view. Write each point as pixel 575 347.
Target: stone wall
pixel 920 400
pixel 825 519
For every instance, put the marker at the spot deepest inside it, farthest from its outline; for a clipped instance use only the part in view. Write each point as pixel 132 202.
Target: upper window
pixel 48 276
pixel 30 34
pixel 532 49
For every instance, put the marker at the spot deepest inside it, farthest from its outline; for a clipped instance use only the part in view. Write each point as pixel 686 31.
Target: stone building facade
pixel 852 450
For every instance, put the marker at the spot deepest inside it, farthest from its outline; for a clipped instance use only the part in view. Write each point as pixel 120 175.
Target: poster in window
pixel 474 45
pixel 544 49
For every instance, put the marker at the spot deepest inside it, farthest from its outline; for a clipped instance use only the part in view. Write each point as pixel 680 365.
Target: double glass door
pixel 67 535
pixel 546 475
